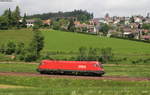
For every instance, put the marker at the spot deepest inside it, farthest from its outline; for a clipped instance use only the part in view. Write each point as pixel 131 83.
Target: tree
pixel 37 43
pixel 71 26
pixel 10 19
pixel 132 19
pixel 92 54
pixel 32 52
pixel 4 23
pixel 20 48
pixel 82 54
pixel 16 17
pixel 2 48
pixel 104 29
pixel 106 54
pixel 7 16
pixel 24 22
pixel 10 48
pixel 55 25
pixel 80 15
pixel 146 26
pixel 63 24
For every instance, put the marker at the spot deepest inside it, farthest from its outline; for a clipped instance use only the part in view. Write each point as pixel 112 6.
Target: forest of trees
pixel 80 15
pixel 11 19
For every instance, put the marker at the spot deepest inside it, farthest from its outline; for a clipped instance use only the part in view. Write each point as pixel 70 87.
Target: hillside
pixel 67 41
pixel 15 35
pixel 71 42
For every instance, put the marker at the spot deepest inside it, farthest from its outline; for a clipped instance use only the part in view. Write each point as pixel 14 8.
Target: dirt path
pixel 74 77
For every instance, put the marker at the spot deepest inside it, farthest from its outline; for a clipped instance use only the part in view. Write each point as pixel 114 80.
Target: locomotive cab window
pixel 96 65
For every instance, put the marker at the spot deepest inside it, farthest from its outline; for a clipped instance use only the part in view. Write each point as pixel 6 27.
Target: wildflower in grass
pixel 105 80
pixel 91 91
pixel 99 92
pixel 74 92
pixel 145 92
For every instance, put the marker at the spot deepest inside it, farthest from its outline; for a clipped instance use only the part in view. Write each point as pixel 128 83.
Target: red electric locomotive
pixel 71 67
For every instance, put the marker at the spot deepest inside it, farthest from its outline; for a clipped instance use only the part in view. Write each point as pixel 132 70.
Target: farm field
pixel 54 86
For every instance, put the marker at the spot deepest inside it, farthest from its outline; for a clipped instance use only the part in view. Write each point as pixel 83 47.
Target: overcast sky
pixel 98 7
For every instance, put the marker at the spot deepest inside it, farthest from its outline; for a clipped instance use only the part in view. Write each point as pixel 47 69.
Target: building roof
pixel 30 20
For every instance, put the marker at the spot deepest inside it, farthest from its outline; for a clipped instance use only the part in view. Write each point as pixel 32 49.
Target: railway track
pixel 120 78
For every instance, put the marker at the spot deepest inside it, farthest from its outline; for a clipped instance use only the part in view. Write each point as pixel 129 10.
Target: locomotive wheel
pixel 42 72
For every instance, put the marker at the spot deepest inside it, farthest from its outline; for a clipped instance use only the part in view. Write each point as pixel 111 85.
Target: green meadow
pixel 27 85
pixel 68 44
pixel 15 35
pixel 55 86
pixel 68 41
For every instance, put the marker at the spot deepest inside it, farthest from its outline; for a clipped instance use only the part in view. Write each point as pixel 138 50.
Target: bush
pixel 2 48
pixel 8 48
pixel 19 47
pixel 95 54
pixel 29 57
pixel 82 54
pixel 106 55
pixel 45 56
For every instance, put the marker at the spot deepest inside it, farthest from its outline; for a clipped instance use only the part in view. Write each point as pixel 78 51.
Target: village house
pixel 147 21
pixel 47 22
pixel 101 20
pixel 113 33
pixel 145 37
pixel 138 19
pixel 89 28
pixel 30 23
pixel 128 32
pixel 95 21
pixel 145 34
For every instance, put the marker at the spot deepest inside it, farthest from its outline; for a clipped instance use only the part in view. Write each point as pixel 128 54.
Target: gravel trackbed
pixel 119 78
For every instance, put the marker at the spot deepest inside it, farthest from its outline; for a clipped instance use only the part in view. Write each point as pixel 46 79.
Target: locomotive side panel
pixel 71 66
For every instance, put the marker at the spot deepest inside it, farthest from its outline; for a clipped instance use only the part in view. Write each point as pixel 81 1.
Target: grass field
pixel 48 86
pixel 68 41
pixel 19 85
pixel 21 67
pixel 15 35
